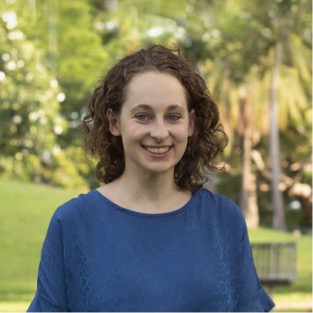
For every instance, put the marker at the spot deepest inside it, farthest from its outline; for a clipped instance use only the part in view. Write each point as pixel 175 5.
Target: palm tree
pixel 255 62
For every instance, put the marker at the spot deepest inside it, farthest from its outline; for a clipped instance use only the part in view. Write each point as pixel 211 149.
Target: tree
pixel 235 51
pixel 30 110
pixel 225 61
pixel 283 27
pixel 65 32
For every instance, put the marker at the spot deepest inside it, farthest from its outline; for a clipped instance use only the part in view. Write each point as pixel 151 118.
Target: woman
pixel 150 238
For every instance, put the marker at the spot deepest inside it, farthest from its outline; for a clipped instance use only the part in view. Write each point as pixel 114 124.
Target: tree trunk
pixel 53 35
pixel 277 199
pixel 248 196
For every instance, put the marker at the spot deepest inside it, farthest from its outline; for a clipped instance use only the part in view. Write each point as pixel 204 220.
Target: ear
pixel 191 123
pixel 113 123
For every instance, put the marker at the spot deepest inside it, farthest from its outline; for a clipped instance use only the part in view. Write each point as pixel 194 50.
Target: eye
pixel 143 117
pixel 173 117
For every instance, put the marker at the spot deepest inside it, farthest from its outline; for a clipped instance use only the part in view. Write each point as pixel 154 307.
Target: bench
pixel 275 263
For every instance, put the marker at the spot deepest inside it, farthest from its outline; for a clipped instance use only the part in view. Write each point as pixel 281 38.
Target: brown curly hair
pixel 203 146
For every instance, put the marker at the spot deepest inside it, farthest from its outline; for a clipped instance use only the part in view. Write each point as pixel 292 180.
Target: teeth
pixel 157 150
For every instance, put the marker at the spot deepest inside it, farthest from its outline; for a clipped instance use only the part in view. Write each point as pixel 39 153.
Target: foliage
pixel 130 25
pixel 233 44
pixel 73 52
pixel 53 52
pixel 30 110
pixel 33 112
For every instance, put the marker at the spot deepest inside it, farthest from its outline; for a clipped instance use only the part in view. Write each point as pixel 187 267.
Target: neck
pixel 149 194
pixel 152 187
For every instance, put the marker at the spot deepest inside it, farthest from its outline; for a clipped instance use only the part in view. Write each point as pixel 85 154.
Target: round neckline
pixel 142 214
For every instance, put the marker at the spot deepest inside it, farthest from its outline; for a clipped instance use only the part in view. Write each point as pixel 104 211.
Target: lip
pixel 157 151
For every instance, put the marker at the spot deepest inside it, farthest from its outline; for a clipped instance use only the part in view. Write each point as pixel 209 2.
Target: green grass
pixel 25 211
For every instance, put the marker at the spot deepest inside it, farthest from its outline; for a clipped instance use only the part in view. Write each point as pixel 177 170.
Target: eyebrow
pixel 147 107
pixel 141 107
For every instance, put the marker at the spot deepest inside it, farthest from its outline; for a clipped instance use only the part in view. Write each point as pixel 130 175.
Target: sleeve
pixel 253 297
pixel 51 288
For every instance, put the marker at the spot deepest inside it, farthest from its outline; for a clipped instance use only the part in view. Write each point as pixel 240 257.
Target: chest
pixel 150 268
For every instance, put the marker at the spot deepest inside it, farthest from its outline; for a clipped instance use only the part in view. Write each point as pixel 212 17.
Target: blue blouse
pixel 98 256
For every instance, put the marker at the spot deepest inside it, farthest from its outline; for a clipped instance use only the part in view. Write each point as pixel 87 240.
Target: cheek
pixel 184 132
pixel 132 133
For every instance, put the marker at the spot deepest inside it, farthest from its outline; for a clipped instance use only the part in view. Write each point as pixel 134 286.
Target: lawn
pixel 25 211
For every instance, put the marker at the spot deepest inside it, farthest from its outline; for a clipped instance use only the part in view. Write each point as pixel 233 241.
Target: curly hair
pixel 203 146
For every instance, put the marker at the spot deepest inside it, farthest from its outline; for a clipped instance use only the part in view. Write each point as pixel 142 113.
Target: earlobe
pixel 113 123
pixel 191 123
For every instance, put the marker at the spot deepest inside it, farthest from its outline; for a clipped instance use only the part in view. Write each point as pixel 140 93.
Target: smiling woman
pixel 151 238
pixel 154 134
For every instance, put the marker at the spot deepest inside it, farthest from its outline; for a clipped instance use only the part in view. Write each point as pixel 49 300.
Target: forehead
pixel 155 87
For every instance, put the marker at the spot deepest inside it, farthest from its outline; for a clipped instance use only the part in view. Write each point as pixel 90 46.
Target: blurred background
pixel 256 57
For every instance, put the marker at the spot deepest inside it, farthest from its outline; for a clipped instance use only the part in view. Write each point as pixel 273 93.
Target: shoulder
pixel 78 215
pixel 219 207
pixel 207 197
pixel 79 207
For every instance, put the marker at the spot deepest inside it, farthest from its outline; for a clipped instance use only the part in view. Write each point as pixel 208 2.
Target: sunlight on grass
pixel 14 306
pixel 293 297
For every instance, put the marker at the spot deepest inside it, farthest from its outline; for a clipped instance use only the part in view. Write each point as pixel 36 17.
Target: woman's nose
pixel 159 130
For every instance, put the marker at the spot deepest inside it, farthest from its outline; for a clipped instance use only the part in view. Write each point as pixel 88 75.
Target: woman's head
pixel 207 140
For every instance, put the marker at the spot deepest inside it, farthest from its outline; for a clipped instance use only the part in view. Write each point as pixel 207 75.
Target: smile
pixel 157 150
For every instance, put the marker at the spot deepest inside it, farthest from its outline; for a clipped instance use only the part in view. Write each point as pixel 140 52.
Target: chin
pixel 159 170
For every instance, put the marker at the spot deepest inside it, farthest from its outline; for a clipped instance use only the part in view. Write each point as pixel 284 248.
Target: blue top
pixel 98 256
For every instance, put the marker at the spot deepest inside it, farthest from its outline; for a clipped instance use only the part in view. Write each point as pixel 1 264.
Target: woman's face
pixel 154 123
